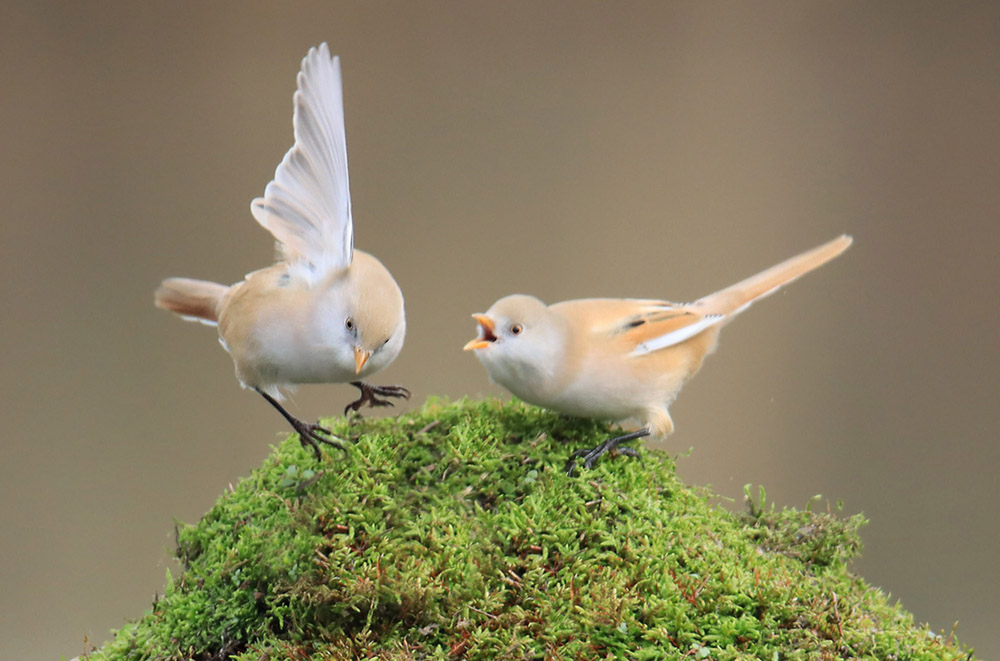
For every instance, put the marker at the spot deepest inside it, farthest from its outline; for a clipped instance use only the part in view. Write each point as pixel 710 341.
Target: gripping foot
pixel 311 434
pixel 590 456
pixel 372 395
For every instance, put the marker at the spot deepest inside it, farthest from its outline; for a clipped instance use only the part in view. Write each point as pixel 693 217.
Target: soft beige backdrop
pixel 660 149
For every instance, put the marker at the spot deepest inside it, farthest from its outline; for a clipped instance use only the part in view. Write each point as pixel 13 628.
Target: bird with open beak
pixel 617 359
pixel 325 312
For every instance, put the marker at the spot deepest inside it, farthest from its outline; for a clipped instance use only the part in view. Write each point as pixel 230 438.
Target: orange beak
pixel 360 358
pixel 486 336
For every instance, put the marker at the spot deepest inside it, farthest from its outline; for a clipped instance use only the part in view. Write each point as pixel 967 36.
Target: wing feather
pixel 307 207
pixel 660 324
pixel 667 333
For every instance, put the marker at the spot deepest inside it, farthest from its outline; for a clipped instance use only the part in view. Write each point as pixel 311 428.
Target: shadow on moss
pixel 452 532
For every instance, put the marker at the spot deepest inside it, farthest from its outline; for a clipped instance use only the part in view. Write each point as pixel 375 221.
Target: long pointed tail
pixel 736 298
pixel 195 300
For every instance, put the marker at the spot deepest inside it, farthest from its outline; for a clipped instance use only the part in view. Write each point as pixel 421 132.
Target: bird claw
pixel 371 395
pixel 309 432
pixel 591 455
pixel 311 435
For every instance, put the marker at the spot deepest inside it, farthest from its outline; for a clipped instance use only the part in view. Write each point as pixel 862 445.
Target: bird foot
pixel 311 434
pixel 591 455
pixel 371 395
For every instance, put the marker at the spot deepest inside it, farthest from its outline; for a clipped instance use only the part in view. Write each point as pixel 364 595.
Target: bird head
pixel 520 339
pixel 365 316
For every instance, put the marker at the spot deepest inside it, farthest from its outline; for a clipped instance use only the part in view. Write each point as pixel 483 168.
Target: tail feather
pixel 736 298
pixel 195 300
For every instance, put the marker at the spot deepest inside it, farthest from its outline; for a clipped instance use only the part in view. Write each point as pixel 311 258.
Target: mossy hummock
pixel 454 532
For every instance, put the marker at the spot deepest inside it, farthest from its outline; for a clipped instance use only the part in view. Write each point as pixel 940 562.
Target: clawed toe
pixel 591 455
pixel 392 391
pixel 312 434
pixel 372 395
pixel 372 402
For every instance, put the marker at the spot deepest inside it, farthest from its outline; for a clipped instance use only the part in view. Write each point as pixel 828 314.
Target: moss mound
pixel 452 532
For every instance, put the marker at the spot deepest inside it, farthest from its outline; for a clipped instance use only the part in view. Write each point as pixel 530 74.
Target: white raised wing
pixel 307 207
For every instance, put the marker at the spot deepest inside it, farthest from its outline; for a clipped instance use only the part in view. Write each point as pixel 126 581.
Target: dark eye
pixel 516 329
pixel 349 323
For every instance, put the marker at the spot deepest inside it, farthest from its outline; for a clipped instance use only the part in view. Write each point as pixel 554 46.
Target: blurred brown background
pixel 660 149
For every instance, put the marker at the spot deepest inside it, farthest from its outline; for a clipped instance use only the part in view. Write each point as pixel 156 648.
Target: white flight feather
pixel 307 207
pixel 677 336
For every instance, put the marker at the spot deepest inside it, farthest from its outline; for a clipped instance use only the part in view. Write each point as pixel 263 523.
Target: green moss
pixel 454 532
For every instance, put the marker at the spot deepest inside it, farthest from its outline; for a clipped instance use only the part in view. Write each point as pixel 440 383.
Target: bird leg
pixel 309 432
pixel 590 456
pixel 370 395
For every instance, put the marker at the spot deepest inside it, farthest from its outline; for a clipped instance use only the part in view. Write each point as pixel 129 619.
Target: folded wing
pixel 660 324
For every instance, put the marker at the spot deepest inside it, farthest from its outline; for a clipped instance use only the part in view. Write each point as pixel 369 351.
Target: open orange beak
pixel 360 358
pixel 486 336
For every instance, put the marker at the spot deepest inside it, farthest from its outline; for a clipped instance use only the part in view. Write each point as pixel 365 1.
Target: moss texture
pixel 453 532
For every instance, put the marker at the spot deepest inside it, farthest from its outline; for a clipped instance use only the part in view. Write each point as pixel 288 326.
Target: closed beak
pixel 361 357
pixel 486 336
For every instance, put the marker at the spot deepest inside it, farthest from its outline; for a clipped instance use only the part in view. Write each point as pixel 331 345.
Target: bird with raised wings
pixel 325 312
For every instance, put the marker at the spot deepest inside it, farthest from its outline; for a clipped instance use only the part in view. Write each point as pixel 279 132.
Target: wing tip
pixel 320 55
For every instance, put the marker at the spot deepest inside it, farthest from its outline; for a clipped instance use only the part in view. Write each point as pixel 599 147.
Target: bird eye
pixel 516 329
pixel 349 323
